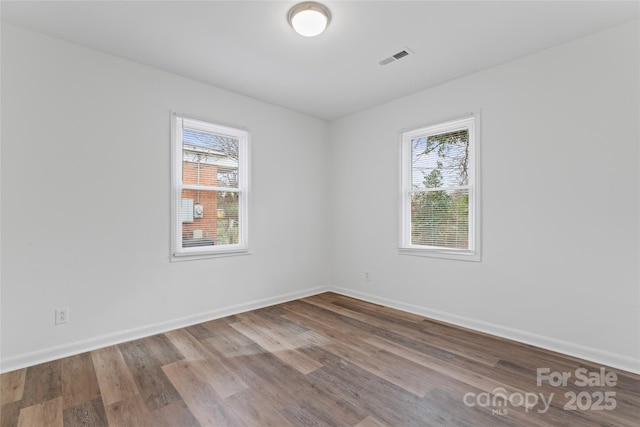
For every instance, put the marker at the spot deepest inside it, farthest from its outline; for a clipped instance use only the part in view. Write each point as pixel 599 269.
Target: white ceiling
pixel 249 48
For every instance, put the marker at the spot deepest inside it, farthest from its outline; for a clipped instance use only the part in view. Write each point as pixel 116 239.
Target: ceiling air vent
pixel 396 56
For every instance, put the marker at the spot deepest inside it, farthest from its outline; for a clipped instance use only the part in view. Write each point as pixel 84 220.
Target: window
pixel 440 193
pixel 209 189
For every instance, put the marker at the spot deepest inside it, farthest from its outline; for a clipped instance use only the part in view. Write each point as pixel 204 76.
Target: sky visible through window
pixel 440 160
pixel 211 141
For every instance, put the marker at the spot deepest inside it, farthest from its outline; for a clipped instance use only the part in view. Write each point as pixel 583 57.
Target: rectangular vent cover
pixel 396 57
pixel 401 54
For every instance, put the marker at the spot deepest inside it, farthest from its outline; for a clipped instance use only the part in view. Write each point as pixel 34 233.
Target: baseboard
pixel 52 353
pixel 594 355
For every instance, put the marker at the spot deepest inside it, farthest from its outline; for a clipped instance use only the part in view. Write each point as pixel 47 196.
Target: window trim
pixel 470 122
pixel 242 247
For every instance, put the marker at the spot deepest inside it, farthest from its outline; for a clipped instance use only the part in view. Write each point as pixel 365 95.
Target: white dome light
pixel 309 19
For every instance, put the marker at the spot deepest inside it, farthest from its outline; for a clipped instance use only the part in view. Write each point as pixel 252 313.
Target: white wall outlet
pixel 62 315
pixel 367 276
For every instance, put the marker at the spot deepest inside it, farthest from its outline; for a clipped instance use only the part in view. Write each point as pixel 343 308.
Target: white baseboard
pixel 70 349
pixel 571 349
pixel 594 355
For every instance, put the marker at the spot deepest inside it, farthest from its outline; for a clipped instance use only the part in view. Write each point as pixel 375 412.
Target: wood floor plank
pixel 304 413
pixel 357 328
pixel 345 337
pixel 434 333
pixel 331 325
pixel 176 414
pixel 131 412
pixel 213 370
pixel 225 340
pixel 491 346
pixel 224 381
pixel 189 346
pixel 12 386
pixel 281 386
pixel 43 414
pixel 296 335
pixel 370 422
pixel 146 370
pixel 370 322
pixel 86 414
pixel 396 370
pixel 327 305
pixel 295 386
pixel 199 332
pixel 269 376
pixel 281 349
pixel 9 414
pixel 114 378
pixel 160 349
pixel 484 383
pixel 350 383
pixel 79 381
pixel 42 383
pixel 343 412
pixel 326 360
pixel 387 312
pixel 256 410
pixel 205 404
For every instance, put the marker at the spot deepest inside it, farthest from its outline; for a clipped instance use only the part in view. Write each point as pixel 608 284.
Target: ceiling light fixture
pixel 309 18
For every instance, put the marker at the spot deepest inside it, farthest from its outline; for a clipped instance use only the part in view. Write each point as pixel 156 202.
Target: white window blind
pixel 209 188
pixel 439 190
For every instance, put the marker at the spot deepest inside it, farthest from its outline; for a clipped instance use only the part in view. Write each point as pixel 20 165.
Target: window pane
pixel 440 160
pixel 214 220
pixel 209 159
pixel 440 218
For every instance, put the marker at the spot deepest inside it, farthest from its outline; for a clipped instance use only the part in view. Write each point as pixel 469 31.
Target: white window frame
pixel 179 253
pixel 473 253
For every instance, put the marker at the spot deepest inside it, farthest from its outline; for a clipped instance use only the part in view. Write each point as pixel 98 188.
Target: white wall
pixel 85 188
pixel 560 157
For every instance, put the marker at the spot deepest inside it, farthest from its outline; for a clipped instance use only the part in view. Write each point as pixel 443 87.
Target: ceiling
pixel 249 48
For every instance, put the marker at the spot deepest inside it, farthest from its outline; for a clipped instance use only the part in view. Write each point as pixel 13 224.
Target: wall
pixel 84 134
pixel 560 184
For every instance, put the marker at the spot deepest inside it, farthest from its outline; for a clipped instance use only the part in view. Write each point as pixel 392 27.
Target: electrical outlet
pixel 62 315
pixel 367 276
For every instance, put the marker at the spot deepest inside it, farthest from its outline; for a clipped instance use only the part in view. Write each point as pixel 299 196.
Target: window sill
pixel 442 254
pixel 177 257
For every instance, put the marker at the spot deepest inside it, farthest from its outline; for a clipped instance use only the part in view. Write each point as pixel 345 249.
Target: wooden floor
pixel 325 360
